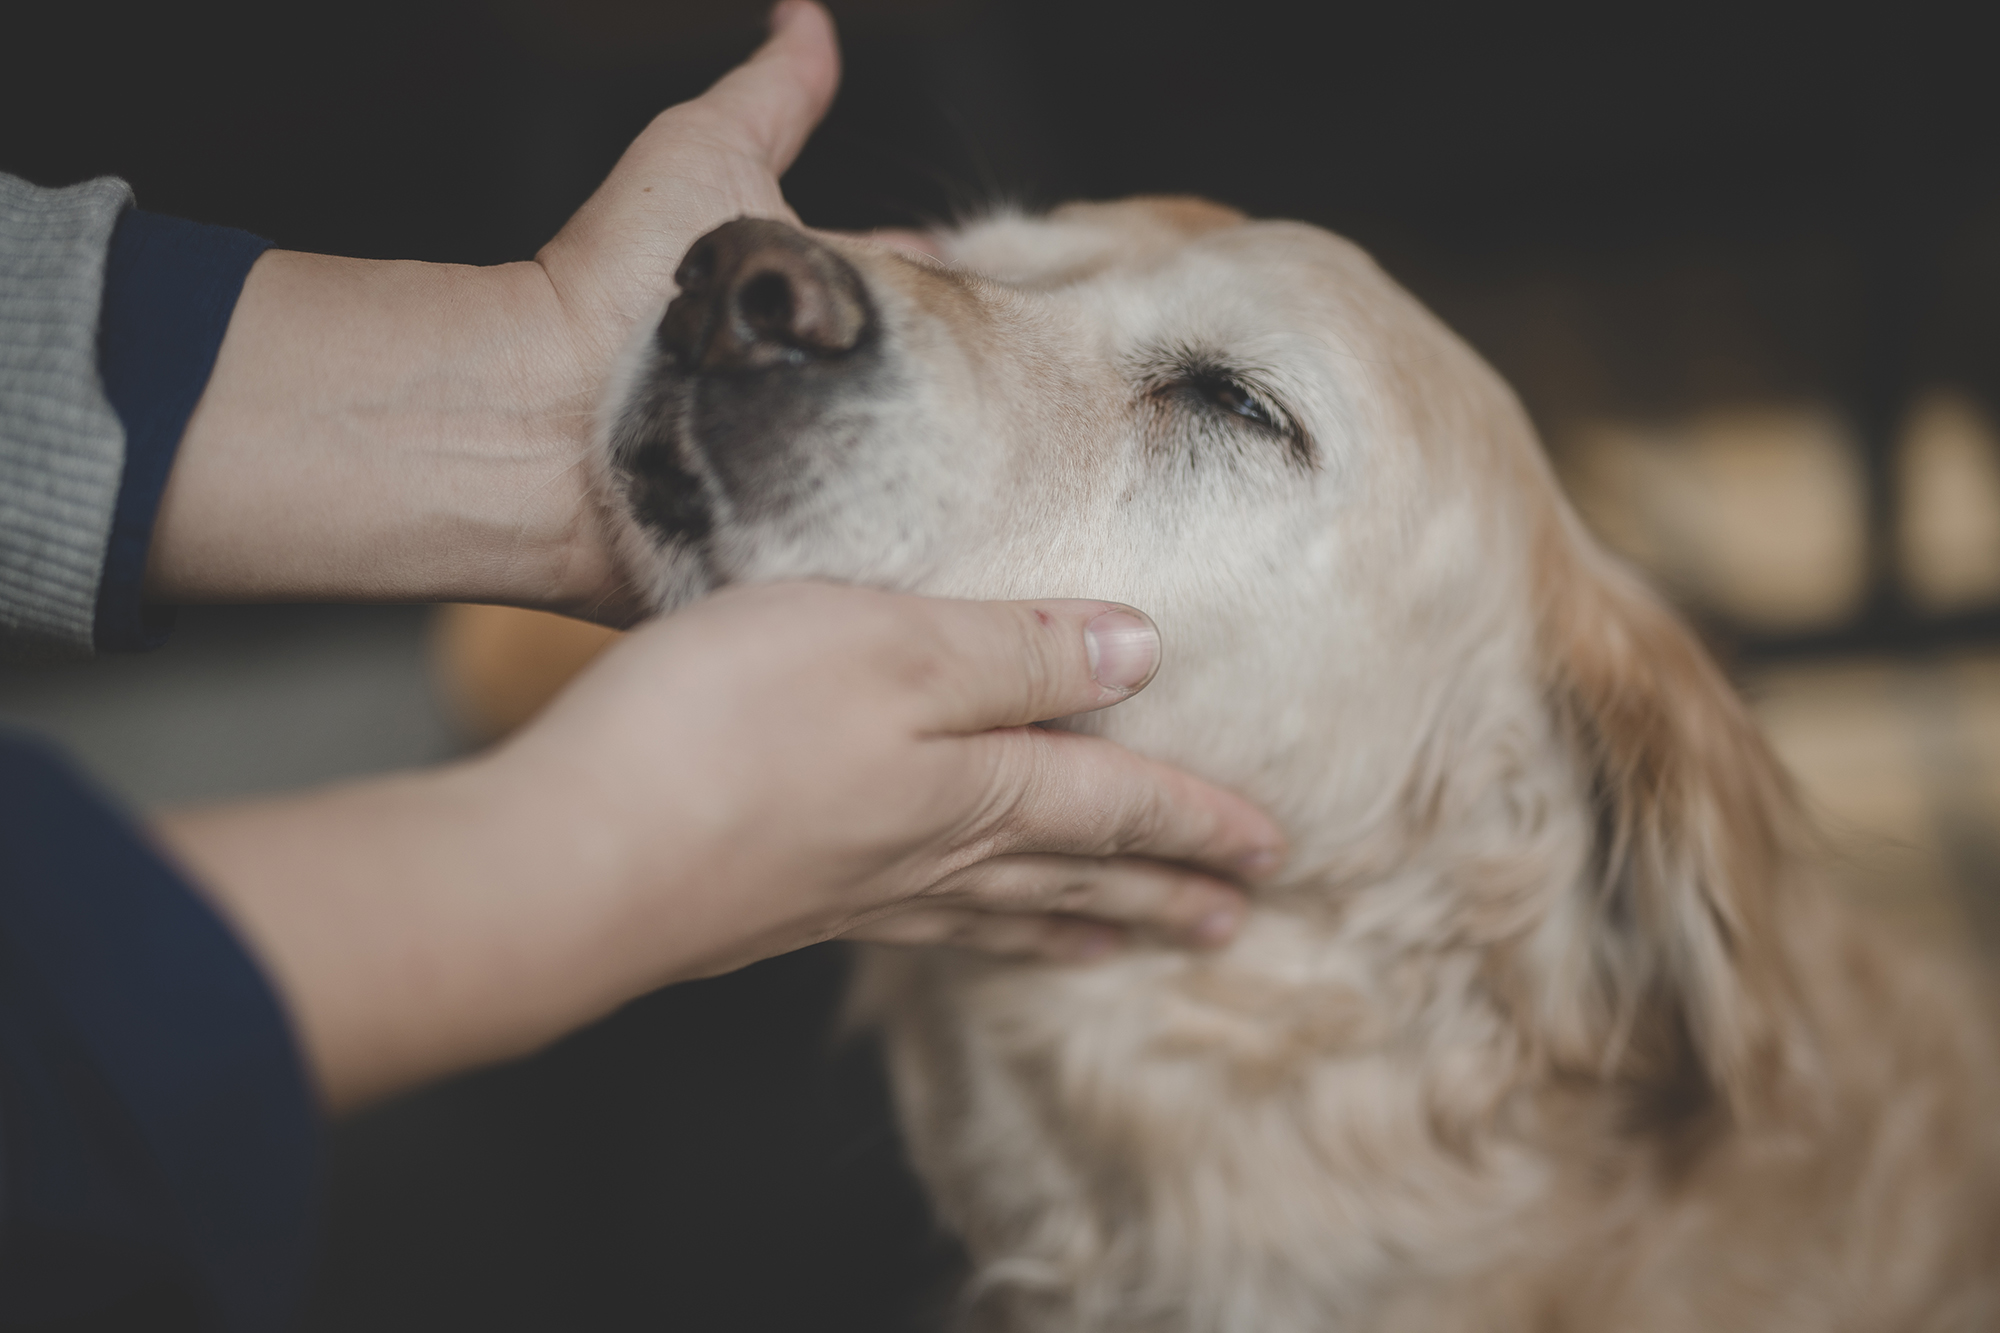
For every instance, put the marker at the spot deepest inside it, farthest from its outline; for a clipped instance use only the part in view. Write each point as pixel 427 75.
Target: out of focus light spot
pixel 1948 520
pixel 1755 514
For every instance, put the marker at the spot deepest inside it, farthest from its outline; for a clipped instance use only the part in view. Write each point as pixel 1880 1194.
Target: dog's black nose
pixel 757 293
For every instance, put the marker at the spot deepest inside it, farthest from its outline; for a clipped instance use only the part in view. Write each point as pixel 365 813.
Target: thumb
pixel 776 97
pixel 1007 664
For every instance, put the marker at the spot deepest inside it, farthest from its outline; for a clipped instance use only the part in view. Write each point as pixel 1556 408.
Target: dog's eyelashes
pixel 1194 385
pixel 1219 401
pixel 1225 394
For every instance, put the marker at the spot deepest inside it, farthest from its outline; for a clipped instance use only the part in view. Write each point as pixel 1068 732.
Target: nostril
pixel 697 268
pixel 756 294
pixel 766 305
pixel 794 303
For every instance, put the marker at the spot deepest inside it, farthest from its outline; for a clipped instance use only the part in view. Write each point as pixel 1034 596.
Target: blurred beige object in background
pixel 1948 510
pixel 1899 762
pixel 497 665
pixel 1756 514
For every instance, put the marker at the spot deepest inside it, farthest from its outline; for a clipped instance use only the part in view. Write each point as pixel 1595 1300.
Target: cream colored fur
pixel 1549 1024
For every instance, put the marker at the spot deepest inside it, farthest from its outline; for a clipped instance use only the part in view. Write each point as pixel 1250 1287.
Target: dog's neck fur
pixel 1531 929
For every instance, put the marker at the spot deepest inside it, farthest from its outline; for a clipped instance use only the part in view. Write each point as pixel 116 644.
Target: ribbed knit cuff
pixel 61 444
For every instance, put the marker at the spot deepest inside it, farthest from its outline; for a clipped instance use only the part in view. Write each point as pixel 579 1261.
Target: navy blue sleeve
pixel 169 289
pixel 158 1137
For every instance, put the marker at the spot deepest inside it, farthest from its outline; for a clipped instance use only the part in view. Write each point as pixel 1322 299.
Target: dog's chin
pixel 676 576
pixel 667 523
pixel 685 533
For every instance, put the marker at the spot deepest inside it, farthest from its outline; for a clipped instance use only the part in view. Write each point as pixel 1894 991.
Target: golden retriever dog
pixel 1549 1023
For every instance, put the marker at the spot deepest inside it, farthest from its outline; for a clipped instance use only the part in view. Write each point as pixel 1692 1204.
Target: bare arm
pixel 386 432
pixel 773 767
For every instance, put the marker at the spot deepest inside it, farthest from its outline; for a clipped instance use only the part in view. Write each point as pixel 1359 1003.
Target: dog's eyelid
pixel 1214 380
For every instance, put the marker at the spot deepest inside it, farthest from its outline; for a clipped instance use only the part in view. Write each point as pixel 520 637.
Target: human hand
pixel 808 761
pixel 773 766
pixel 695 167
pixel 421 432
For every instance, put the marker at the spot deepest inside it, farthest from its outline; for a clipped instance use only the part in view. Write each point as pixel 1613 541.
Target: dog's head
pixel 1242 427
pixel 1381 620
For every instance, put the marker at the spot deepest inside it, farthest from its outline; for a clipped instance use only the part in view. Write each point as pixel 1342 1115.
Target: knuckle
pixel 968 931
pixel 912 653
pixel 1185 893
pixel 1077 890
pixel 1000 802
pixel 1009 886
pixel 1049 662
pixel 1147 820
pixel 928 928
pixel 1020 884
pixel 1042 672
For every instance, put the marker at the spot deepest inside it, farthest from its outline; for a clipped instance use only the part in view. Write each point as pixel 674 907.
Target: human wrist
pixel 544 541
pixel 386 431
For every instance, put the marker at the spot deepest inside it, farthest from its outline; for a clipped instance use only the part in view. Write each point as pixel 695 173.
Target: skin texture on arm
pixel 379 431
pixel 697 802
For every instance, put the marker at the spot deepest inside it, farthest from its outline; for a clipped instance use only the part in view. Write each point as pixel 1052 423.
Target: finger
pixel 1007 664
pixel 779 94
pixel 1164 901
pixel 1059 793
pixel 1057 938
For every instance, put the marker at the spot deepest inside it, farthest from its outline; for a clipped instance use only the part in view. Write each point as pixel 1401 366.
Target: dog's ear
pixel 1674 947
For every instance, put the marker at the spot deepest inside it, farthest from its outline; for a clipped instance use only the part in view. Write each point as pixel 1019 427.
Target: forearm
pixel 771 767
pixel 385 432
pixel 420 924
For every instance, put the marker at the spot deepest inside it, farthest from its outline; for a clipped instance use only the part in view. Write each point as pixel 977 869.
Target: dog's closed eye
pixel 1209 387
pixel 1224 394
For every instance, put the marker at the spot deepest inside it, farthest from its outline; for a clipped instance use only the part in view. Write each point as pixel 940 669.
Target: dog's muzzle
pixel 771 328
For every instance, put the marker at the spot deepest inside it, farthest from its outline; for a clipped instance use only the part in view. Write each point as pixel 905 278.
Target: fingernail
pixel 1218 927
pixel 1124 648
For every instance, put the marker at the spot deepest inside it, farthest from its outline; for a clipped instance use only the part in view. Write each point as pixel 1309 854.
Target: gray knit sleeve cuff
pixel 62 446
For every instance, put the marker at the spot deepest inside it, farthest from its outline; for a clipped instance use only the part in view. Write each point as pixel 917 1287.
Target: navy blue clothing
pixel 156 1125
pixel 159 1138
pixel 169 289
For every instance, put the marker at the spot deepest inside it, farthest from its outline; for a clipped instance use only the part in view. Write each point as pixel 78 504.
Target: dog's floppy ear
pixel 1696 832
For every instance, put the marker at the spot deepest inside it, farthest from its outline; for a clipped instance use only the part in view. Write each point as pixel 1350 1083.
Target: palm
pixel 695 167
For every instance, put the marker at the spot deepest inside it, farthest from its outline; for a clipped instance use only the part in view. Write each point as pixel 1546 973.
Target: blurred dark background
pixel 1742 263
